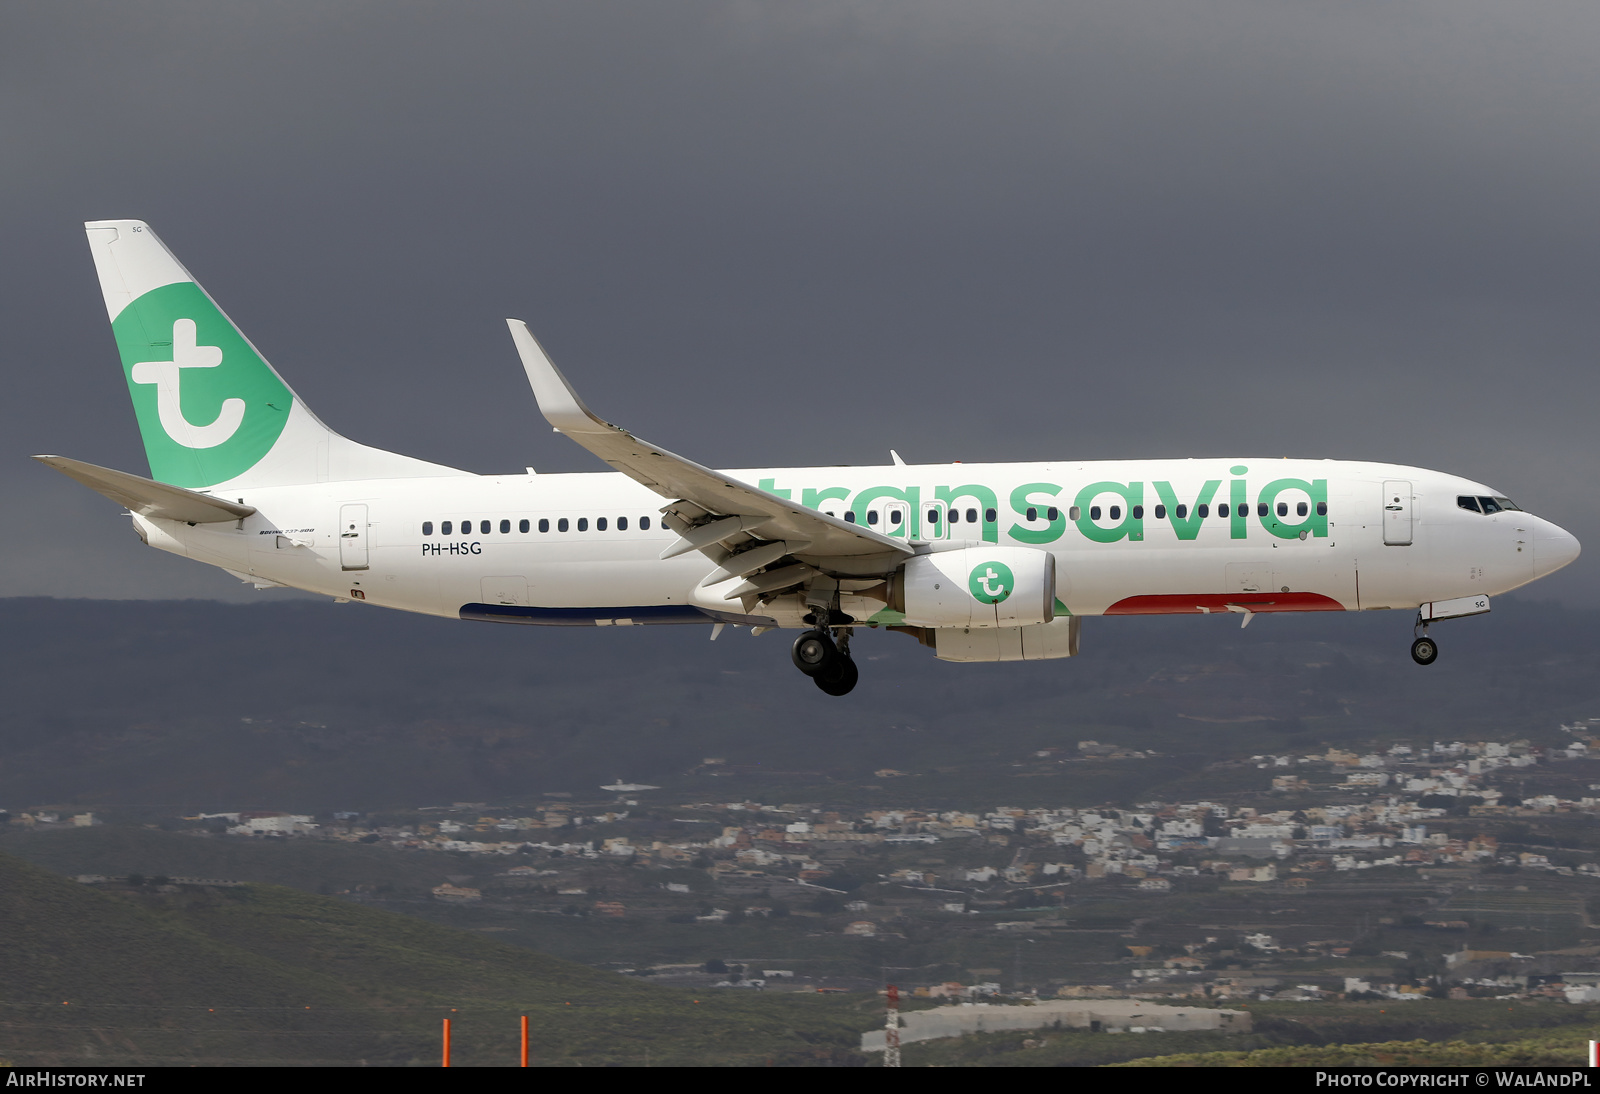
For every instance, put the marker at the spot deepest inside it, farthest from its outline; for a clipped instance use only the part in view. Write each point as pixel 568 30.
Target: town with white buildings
pixel 1409 871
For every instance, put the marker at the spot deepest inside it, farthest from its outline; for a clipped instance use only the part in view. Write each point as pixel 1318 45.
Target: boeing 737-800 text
pixel 979 562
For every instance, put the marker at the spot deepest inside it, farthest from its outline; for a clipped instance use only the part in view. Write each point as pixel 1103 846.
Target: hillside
pixel 268 975
pixel 309 706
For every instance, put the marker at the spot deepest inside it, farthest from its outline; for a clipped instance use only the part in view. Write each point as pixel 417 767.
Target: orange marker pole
pixel 524 1040
pixel 446 1043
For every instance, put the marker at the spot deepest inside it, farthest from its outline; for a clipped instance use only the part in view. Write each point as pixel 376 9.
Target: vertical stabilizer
pixel 211 410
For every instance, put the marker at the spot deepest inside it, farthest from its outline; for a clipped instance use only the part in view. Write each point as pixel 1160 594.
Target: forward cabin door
pixel 1397 506
pixel 352 537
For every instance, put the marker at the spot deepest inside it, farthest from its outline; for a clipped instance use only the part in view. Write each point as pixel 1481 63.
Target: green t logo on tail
pixel 991 582
pixel 208 406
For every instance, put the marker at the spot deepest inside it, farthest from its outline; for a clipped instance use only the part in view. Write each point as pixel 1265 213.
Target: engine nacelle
pixel 978 587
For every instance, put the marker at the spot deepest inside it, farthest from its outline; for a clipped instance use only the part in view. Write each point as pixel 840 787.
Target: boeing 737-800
pixel 979 562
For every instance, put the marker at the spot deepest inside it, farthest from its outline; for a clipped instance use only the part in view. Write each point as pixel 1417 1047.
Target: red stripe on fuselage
pixel 1198 603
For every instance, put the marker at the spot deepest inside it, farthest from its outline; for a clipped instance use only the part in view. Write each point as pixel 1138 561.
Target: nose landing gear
pixel 1424 651
pixel 828 663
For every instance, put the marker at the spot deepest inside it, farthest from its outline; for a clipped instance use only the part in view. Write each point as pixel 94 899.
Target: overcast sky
pixel 805 232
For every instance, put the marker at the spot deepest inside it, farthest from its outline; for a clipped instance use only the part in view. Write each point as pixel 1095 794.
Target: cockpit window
pixel 1508 505
pixel 1490 505
pixel 1467 502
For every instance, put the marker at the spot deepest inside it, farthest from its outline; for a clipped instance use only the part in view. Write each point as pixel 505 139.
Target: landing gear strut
pixel 827 662
pixel 1424 651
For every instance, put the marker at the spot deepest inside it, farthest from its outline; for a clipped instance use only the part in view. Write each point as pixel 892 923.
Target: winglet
pixel 557 401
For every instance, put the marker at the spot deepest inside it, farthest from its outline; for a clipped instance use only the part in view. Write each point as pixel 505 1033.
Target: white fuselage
pixel 1339 536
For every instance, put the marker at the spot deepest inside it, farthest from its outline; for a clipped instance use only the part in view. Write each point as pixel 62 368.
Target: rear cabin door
pixel 352 537
pixel 1397 510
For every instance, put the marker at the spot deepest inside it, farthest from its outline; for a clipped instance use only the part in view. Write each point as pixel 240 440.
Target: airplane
pixel 979 562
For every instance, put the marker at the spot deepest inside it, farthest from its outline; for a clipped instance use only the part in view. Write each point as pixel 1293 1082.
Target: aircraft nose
pixel 1553 548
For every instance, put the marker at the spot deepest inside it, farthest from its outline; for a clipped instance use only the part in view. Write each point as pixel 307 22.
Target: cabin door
pixel 1397 512
pixel 352 537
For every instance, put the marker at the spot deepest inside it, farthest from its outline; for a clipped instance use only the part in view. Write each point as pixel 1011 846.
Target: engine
pixel 977 587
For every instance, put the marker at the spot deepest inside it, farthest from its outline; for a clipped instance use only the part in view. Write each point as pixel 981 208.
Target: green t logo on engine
pixel 991 582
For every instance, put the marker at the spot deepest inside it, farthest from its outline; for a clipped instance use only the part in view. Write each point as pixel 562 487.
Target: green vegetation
pixel 1466 1032
pixel 1565 1050
pixel 262 974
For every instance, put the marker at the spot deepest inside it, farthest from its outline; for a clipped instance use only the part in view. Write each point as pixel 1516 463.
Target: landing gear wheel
pixel 813 651
pixel 840 677
pixel 1423 651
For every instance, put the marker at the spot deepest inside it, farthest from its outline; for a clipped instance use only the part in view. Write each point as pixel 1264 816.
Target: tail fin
pixel 211 410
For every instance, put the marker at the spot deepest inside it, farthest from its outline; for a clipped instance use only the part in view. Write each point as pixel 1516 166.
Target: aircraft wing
pixel 147 497
pixel 718 497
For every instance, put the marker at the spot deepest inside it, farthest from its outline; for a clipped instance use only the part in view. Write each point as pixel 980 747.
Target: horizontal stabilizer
pixel 147 497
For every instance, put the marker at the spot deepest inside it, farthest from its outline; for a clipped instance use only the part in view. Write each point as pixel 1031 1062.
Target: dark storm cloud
pixel 803 233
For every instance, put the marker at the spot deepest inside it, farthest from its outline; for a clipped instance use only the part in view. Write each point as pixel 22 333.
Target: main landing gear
pixel 827 662
pixel 1424 651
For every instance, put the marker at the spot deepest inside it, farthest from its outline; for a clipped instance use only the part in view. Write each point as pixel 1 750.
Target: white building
pixel 1131 1015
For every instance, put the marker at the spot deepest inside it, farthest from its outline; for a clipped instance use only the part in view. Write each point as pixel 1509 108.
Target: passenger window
pixel 1322 508
pixel 1138 512
pixel 583 524
pixel 644 524
pixel 622 524
pixel 988 515
pixel 1052 513
pixel 1161 512
pixel 1261 509
pixel 872 516
pixel 561 525
pixel 483 528
pixel 933 516
pixel 1094 512
pixel 1202 511
pixel 522 525
pixel 444 527
pixel 505 527
pixel 849 516
pixel 600 524
pixel 955 516
pixel 896 516
pixel 1489 505
pixel 1300 509
pixel 972 516
pixel 1222 510
pixel 1283 508
pixel 1074 513
pixel 1033 514
pixel 544 524
pixel 1116 512
pixel 427 527
pixel 466 527
pixel 1183 511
